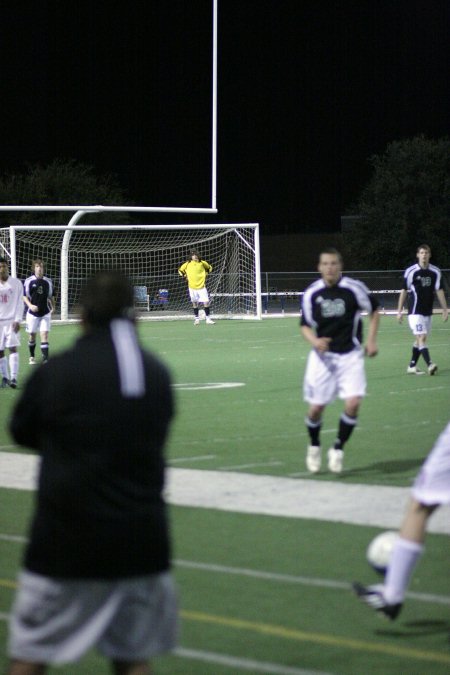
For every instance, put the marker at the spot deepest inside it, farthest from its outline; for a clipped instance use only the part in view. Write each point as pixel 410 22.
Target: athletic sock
pixel 313 430
pixel 196 312
pixel 44 350
pixel 414 356
pixel 4 367
pixel 405 557
pixel 346 426
pixel 206 311
pixel 32 347
pixel 426 355
pixel 14 365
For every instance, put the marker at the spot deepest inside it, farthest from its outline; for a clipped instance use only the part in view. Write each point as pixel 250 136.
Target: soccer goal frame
pixel 150 256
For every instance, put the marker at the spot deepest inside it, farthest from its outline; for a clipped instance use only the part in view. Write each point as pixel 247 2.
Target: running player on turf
pixel 39 299
pixel 420 282
pixel 331 323
pixel 431 489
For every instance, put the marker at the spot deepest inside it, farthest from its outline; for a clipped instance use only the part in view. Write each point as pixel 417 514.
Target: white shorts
pixel 199 295
pixel 420 325
pixel 38 324
pixel 8 338
pixel 329 375
pixel 432 485
pixel 57 621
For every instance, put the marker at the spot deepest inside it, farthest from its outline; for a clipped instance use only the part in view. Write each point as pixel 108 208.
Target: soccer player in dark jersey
pixel 331 322
pixel 39 299
pixel 420 283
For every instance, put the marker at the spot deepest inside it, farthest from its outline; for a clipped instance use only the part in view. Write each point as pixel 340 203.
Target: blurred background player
pixel 11 314
pixel 195 271
pixel 96 568
pixel 331 323
pixel 431 489
pixel 38 297
pixel 420 282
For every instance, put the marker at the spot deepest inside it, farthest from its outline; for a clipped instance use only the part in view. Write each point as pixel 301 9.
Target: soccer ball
pixel 379 551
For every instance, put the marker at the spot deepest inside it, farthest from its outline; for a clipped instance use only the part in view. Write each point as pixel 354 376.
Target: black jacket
pixel 100 512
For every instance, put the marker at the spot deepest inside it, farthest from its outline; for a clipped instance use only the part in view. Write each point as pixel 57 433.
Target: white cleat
pixel 210 321
pixel 335 460
pixel 432 369
pixel 32 361
pixel 197 322
pixel 313 458
pixel 413 370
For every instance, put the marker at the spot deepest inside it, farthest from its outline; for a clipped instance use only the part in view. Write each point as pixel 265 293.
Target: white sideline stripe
pixel 300 580
pixel 243 664
pixel 376 505
pixel 271 576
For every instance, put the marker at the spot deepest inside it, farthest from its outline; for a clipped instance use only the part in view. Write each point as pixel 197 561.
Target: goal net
pixel 150 256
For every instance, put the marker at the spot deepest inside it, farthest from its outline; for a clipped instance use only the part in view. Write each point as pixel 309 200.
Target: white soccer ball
pixel 380 549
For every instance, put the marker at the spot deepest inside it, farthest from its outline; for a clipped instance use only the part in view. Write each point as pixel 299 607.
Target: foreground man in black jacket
pixel 96 569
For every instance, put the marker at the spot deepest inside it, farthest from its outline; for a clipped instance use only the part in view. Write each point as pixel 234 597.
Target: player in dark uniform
pixel 39 300
pixel 331 323
pixel 420 282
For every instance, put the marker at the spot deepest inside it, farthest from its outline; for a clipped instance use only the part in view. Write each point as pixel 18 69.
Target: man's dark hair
pixel 107 295
pixel 330 250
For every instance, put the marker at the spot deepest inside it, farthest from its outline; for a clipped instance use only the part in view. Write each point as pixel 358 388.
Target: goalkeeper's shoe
pixel 210 321
pixel 197 322
pixel 313 458
pixel 373 596
pixel 413 370
pixel 432 369
pixel 32 361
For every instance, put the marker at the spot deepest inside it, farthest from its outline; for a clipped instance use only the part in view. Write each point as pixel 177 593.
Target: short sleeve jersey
pixel 39 291
pixel 335 312
pixel 11 300
pixel 196 273
pixel 421 285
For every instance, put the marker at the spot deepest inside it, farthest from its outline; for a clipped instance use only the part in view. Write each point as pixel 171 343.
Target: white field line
pixel 243 664
pixel 378 506
pixel 270 576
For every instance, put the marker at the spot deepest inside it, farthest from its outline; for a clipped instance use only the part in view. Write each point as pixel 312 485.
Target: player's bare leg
pixel 313 425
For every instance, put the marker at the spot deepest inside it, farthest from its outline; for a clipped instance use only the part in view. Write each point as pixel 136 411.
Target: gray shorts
pixel 58 621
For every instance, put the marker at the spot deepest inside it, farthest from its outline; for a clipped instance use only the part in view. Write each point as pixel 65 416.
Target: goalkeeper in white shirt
pixel 11 314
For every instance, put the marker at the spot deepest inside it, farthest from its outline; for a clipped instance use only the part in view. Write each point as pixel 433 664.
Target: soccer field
pixel 265 590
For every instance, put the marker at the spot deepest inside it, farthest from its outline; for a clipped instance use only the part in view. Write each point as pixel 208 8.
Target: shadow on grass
pixel 424 627
pixel 383 468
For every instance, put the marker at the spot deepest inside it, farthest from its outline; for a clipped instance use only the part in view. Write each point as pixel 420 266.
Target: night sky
pixel 308 91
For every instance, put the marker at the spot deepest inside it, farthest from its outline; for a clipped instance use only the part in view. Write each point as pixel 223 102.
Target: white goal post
pixel 150 256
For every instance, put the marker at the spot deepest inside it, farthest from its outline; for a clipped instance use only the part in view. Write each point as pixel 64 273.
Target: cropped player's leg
pixel 13 366
pixel 319 389
pixel 44 346
pixel 352 388
pixel 32 347
pixel 3 370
